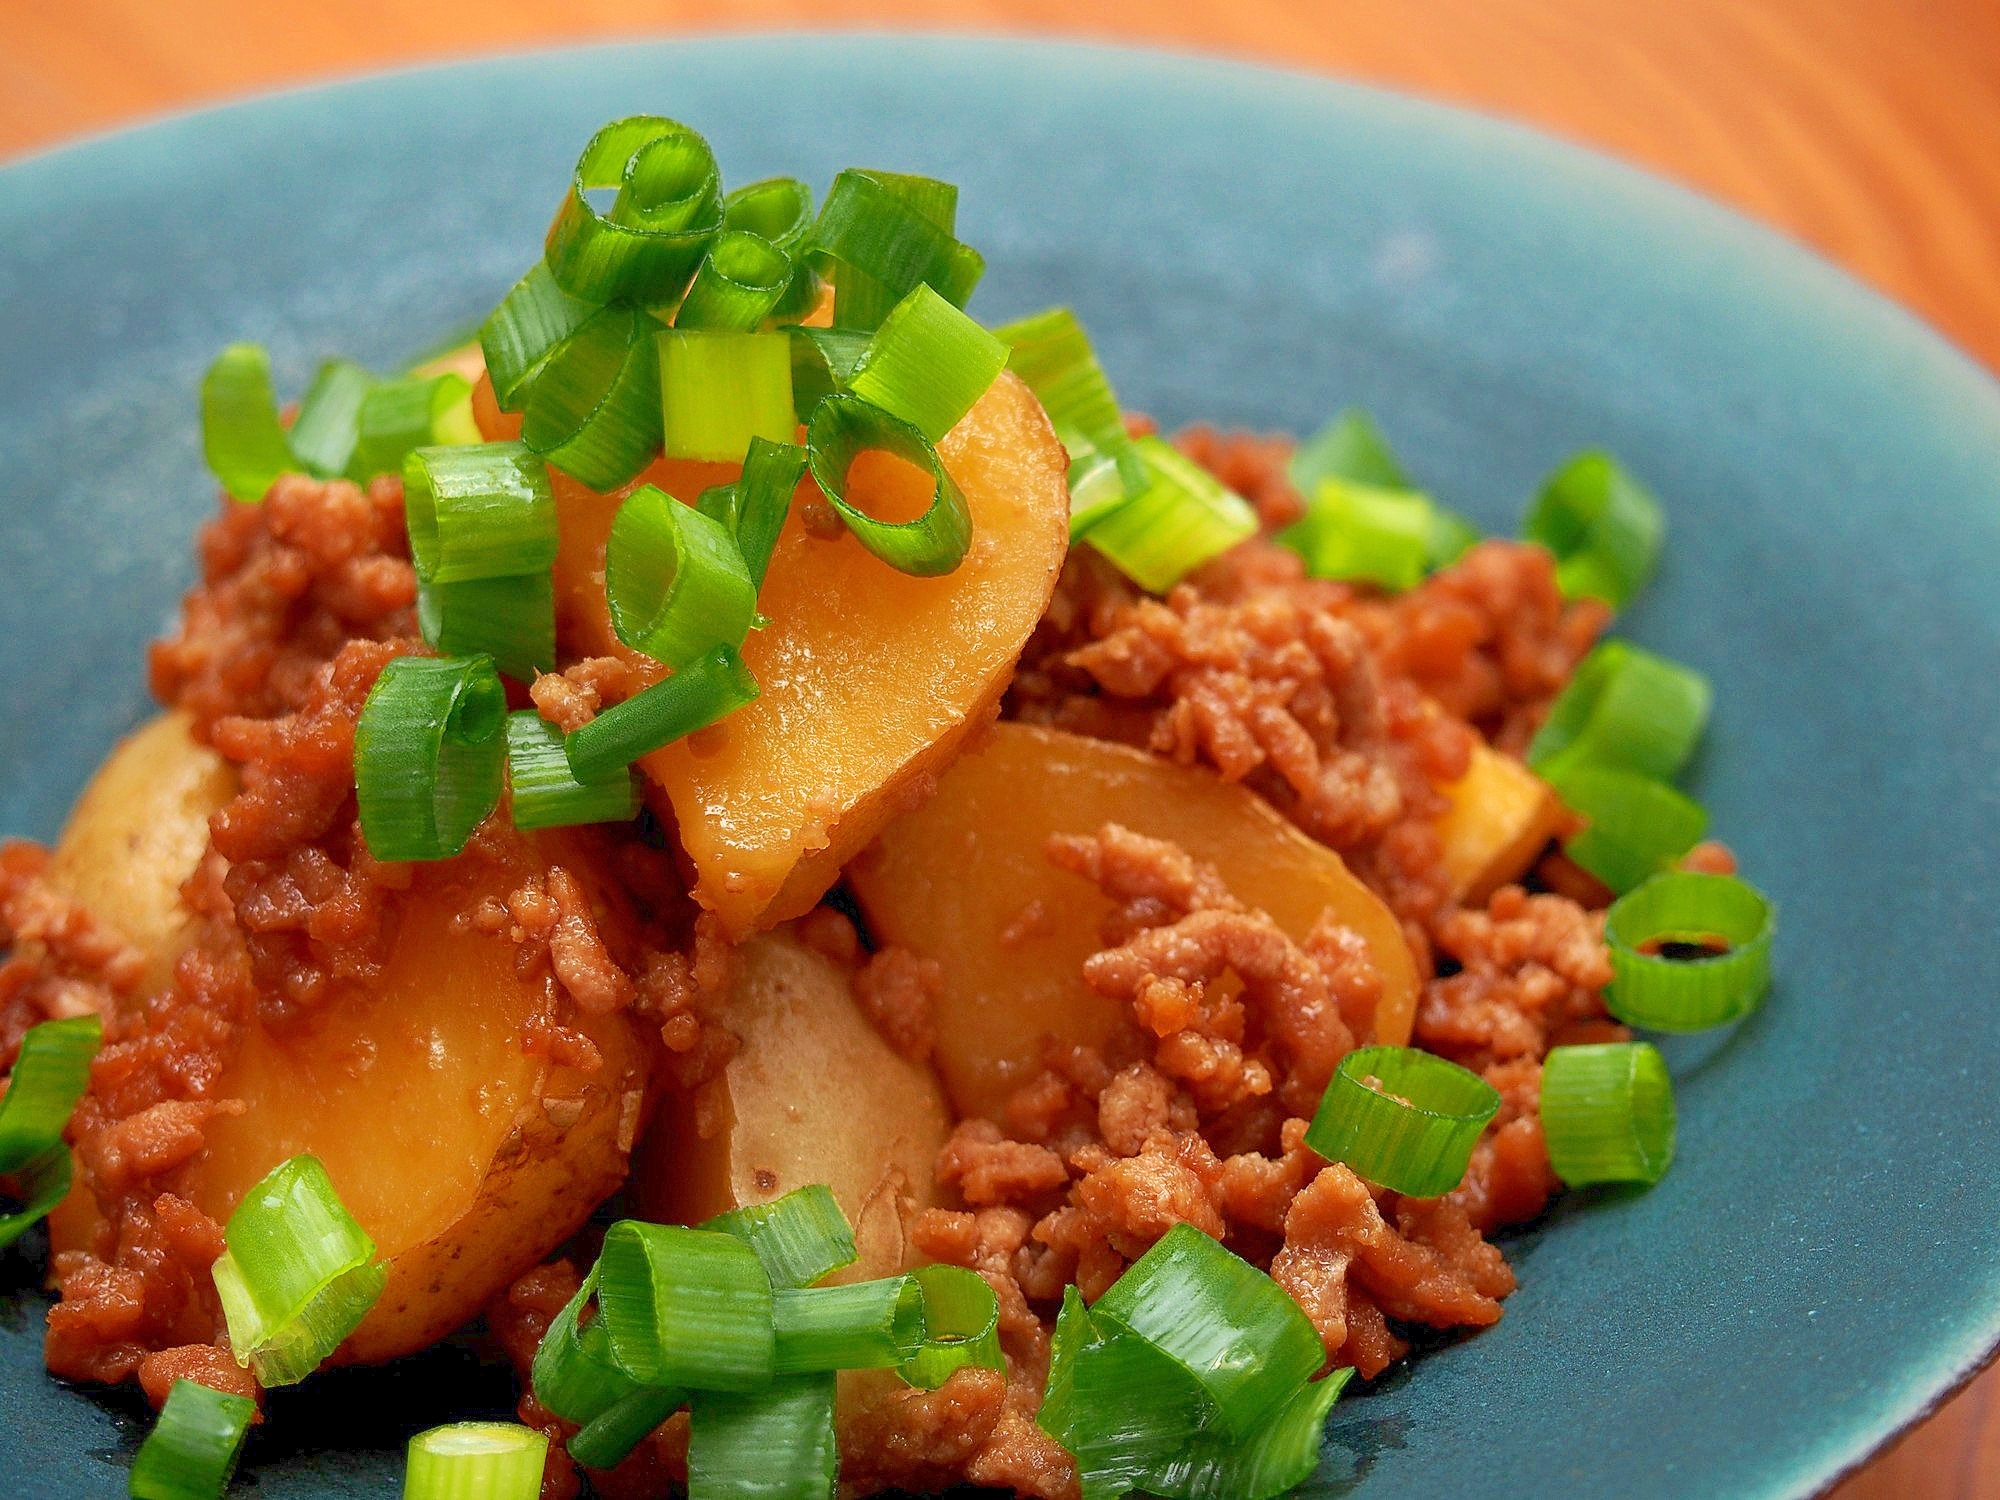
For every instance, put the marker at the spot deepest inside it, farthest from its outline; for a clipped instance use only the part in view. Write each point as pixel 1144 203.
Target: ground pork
pixel 896 990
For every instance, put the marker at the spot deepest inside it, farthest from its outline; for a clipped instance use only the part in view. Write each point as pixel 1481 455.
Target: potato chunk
pixel 871 678
pixel 813 1095
pixel 964 880
pixel 1501 816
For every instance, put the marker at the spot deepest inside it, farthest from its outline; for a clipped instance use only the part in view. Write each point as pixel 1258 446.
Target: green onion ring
pixel 961 1326
pixel 668 209
pixel 1667 994
pixel 192 1450
pixel 1638 825
pixel 763 499
pixel 685 1307
pixel 674 579
pixel 51 1072
pixel 863 1325
pixel 594 411
pixel 928 363
pixel 1604 527
pixel 888 232
pixel 799 1238
pixel 328 424
pixel 1607 1112
pixel 398 416
pixel 512 620
pixel 1420 1148
pixel 429 753
pixel 737 285
pixel 775 1443
pixel 721 388
pixel 478 510
pixel 528 326
pixel 936 542
pixel 781 210
pixel 241 435
pixel 476 1461
pixel 693 698
pixel 1624 707
pixel 822 361
pixel 1183 518
pixel 546 794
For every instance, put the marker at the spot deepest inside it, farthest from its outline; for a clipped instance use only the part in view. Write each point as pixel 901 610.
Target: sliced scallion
pixel 1651 987
pixel 887 232
pixel 776 1443
pixel 843 428
pixel 799 1238
pixel 520 334
pixel 609 1438
pixel 1403 1118
pixel 1365 533
pixel 51 1071
pixel 1180 520
pixel 667 210
pixel 696 696
pixel 674 579
pixel 429 752
pixel 738 284
pixel 397 416
pixel 241 435
pixel 1275 1457
pixel 478 510
pixel 299 1274
pixel 865 1325
pixel 594 410
pixel 1638 825
pixel 1607 1112
pixel 718 390
pixel 1604 527
pixel 1121 1407
pixel 927 363
pixel 781 210
pixel 1350 447
pixel 1626 708
pixel 763 498
pixel 546 794
pixel 192 1450
pixel 685 1307
pixel 573 1374
pixel 329 421
pixel 512 620
pixel 961 1326
pixel 1052 353
pixel 822 361
pixel 1096 488
pixel 476 1461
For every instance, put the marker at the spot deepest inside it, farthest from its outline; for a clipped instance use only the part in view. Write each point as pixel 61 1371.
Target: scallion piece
pixel 521 333
pixel 763 499
pixel 685 1307
pixel 1183 518
pixel 843 428
pixel 329 421
pixel 1452 536
pixel 865 1325
pixel 574 1375
pixel 675 580
pixel 927 363
pixel 480 510
pixel 1654 988
pixel 822 361
pixel 668 209
pixel 718 390
pixel 1402 1118
pixel 546 794
pixel 1604 527
pixel 1235 1331
pixel 1608 1113
pixel 961 1326
pixel 1052 353
pixel 776 1443
pixel 299 1274
pixel 1364 533
pixel 1276 1456
pixel 400 415
pixel 192 1450
pixel 738 284
pixel 594 410
pixel 1627 708
pixel 512 620
pixel 1121 1407
pixel 428 755
pixel 780 209
pixel 887 232
pixel 241 435
pixel 1096 489
pixel 694 697
pixel 608 1439
pixel 51 1071
pixel 476 1461
pixel 1350 447
pixel 799 1238
pixel 1637 825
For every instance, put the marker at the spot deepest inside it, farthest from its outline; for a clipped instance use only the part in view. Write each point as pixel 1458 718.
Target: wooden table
pixel 1869 129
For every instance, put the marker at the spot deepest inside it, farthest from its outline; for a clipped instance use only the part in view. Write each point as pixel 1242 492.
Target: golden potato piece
pixel 1501 817
pixel 964 880
pixel 813 1095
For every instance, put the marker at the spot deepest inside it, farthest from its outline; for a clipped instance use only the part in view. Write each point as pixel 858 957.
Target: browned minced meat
pixel 896 989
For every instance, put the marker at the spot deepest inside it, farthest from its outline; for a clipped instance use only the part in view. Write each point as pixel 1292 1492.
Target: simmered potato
pixel 1501 816
pixel 465 1159
pixel 964 880
pixel 813 1095
pixel 871 679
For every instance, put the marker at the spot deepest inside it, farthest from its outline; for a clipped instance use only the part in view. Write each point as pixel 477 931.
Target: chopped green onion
pixel 1357 531
pixel 1402 1118
pixel 594 411
pixel 1276 1456
pixel 936 542
pixel 1664 993
pixel 1051 352
pixel 241 435
pixel 771 1444
pixel 400 415
pixel 718 503
pixel 718 390
pixel 51 1071
pixel 479 510
pixel 546 794
pixel 674 579
pixel 763 498
pixel 574 1375
pixel 476 1461
pixel 1096 488
pixel 693 698
pixel 928 363
pixel 1637 825
pixel 329 420
pixel 1452 536
pixel 299 1274
pixel 781 210
pixel 685 1307
pixel 668 209
pixel 866 1325
pixel 428 755
pixel 1350 447
pixel 512 620
pixel 530 323
pixel 1604 527
pixel 191 1452
pixel 888 232
pixel 961 1326
pixel 1624 708
pixel 822 361
pixel 738 284
pixel 608 1439
pixel 1183 518
pixel 1608 1113
pixel 1236 1332
pixel 1121 1407
pixel 799 1238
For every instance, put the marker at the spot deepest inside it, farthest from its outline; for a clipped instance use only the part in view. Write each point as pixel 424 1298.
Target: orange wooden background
pixel 1868 128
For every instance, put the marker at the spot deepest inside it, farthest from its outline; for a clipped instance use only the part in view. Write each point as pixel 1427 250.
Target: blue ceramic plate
pixel 1255 248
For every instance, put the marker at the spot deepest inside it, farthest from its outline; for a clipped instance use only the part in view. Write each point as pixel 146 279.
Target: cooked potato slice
pixel 1501 816
pixel 964 880
pixel 813 1095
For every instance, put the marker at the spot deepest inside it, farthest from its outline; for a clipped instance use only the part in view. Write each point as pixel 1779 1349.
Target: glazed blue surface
pixel 1254 248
